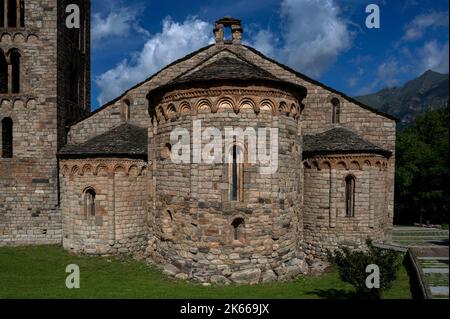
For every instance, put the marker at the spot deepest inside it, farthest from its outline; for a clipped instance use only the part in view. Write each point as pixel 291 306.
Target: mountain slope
pixel 427 92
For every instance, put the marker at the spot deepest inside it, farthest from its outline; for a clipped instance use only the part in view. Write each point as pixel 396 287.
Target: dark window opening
pixel 3 74
pixel 22 13
pixel 7 138
pixel 238 229
pixel 15 74
pixel 12 13
pixel 2 13
pixel 234 188
pixel 236 172
pixel 350 196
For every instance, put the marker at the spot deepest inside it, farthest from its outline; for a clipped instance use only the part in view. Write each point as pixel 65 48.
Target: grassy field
pixel 39 272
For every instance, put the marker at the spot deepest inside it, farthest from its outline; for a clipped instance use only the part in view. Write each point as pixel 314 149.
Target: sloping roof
pixel 125 140
pixel 187 57
pixel 310 80
pixel 226 69
pixel 339 141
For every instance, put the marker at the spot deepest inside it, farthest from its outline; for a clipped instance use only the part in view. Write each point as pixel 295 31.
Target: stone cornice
pixel 82 167
pixel 194 101
pixel 347 162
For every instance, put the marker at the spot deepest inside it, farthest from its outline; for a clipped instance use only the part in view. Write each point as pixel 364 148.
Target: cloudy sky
pixel 324 39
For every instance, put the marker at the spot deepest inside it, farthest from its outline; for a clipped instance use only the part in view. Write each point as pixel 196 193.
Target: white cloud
pixel 175 41
pixel 264 41
pixel 421 23
pixel 434 56
pixel 119 22
pixel 313 36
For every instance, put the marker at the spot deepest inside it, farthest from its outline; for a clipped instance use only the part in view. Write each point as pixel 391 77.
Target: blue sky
pixel 324 39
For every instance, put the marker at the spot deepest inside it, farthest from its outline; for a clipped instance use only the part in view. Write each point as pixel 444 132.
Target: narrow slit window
pixel 12 13
pixel 3 74
pixel 236 174
pixel 7 138
pixel 22 13
pixel 336 109
pixel 350 196
pixel 15 74
pixel 126 110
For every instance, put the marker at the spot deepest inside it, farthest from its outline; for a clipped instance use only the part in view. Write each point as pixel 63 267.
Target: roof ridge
pixel 322 85
pixel 346 141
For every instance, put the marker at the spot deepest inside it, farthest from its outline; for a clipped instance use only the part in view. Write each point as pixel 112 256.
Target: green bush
pixel 352 266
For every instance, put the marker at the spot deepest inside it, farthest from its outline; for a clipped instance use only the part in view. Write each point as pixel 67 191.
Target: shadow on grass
pixel 336 294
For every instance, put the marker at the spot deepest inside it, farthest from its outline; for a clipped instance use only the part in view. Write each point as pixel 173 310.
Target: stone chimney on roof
pixel 236 30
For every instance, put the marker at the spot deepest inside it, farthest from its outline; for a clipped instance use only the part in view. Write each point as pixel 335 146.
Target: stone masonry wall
pixel 192 214
pixel 326 225
pixel 28 181
pixel 316 117
pixel 119 224
pixel 29 211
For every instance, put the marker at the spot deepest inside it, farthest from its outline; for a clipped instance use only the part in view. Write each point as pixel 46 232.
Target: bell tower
pixel 44 87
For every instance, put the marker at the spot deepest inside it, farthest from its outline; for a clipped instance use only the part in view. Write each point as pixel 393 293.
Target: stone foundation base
pixel 249 276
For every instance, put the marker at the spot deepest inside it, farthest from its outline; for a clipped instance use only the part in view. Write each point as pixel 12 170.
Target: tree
pixel 422 173
pixel 352 265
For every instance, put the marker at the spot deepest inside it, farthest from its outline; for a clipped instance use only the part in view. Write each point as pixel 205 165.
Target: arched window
pixel 89 202
pixel 236 173
pixel 350 196
pixel 336 109
pixel 7 138
pixel 167 224
pixel 238 226
pixel 3 74
pixel 126 110
pixel 15 73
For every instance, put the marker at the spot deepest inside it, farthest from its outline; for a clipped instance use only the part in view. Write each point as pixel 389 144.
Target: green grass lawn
pixel 39 272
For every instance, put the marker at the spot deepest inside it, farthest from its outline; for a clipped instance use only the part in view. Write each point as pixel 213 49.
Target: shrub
pixel 352 268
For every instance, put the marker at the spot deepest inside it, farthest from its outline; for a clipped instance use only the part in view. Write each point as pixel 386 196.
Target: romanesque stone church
pixel 103 182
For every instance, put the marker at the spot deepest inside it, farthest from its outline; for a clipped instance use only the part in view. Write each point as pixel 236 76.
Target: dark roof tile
pixel 226 69
pixel 339 141
pixel 124 140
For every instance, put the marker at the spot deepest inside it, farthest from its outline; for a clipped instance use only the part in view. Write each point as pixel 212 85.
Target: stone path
pixel 431 248
pixel 418 237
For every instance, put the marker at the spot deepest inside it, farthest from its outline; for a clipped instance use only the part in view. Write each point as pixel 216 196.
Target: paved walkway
pixel 431 248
